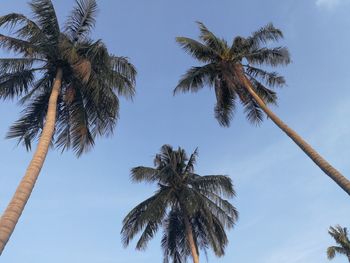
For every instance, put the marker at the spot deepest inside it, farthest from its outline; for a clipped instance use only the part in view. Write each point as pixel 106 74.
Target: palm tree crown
pixel 87 105
pixel 223 65
pixel 234 72
pixel 340 235
pixel 182 195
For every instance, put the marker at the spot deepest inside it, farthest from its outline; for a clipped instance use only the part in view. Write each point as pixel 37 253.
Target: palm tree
pixel 340 236
pixel 235 73
pixel 68 84
pixel 190 207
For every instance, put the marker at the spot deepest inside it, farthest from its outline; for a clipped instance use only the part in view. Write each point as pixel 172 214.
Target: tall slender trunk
pixel 16 206
pixel 190 239
pixel 333 173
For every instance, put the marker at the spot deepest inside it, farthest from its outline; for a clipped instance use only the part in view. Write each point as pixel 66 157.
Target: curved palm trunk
pixel 16 206
pixel 333 173
pixel 190 239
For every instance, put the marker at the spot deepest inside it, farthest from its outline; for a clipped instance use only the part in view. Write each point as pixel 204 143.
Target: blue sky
pixel 286 203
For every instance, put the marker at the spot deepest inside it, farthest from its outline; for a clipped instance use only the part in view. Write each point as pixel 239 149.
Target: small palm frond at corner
pixel 340 236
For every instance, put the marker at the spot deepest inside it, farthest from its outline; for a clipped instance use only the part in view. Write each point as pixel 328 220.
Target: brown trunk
pixel 333 173
pixel 190 239
pixel 16 206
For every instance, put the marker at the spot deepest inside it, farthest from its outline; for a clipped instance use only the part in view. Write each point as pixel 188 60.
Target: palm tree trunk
pixel 16 206
pixel 190 239
pixel 333 173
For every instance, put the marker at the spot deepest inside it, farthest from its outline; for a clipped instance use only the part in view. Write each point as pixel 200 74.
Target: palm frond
pixel 123 76
pixel 196 77
pixel 267 95
pixel 331 251
pixel 225 103
pixel 264 35
pixel 11 65
pixel 272 79
pixel 142 173
pixel 219 45
pixel 198 50
pixel 15 83
pixel 81 20
pixel 18 46
pixel 27 128
pixel 269 56
pixel 218 184
pixel 151 210
pixel 46 18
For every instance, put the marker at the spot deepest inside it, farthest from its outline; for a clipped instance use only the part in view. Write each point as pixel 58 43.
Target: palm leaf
pixel 81 20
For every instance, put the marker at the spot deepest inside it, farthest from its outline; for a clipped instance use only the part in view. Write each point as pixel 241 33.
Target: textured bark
pixel 327 168
pixel 190 239
pixel 16 206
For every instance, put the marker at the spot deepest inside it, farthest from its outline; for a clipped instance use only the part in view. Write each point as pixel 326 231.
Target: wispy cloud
pixel 329 4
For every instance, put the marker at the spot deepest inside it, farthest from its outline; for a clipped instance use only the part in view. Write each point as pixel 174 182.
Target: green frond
pixel 272 79
pixel 269 56
pixel 16 83
pixel 46 18
pixel 225 103
pixel 18 46
pixel 13 19
pixel 148 233
pixel 215 43
pixel 196 78
pixel 267 95
pixel 266 34
pixel 191 162
pixel 198 50
pixel 11 65
pixel 81 20
pixel 123 76
pixel 151 211
pixel 253 112
pixel 218 184
pixel 142 173
pixel 28 127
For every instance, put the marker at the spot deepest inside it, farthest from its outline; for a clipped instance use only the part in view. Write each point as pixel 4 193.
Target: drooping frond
pixel 150 211
pixel 81 20
pixel 11 65
pixel 225 103
pixel 252 110
pixel 267 95
pixel 272 79
pixel 123 76
pixel 196 78
pixel 27 128
pixel 218 184
pixel 174 241
pixel 18 46
pixel 333 250
pixel 15 83
pixel 142 173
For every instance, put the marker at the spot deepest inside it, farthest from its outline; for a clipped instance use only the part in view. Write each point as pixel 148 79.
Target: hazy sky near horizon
pixel 286 203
